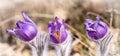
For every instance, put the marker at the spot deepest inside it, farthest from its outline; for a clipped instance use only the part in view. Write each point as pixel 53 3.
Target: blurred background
pixel 73 11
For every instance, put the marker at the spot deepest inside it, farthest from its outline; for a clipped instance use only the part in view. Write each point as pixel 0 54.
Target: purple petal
pixel 97 18
pixel 90 29
pixel 63 23
pixel 103 24
pixel 101 31
pixel 51 27
pixel 63 34
pixel 25 25
pixel 101 28
pixel 20 24
pixel 100 22
pixel 27 19
pixel 30 30
pixel 88 23
pixel 93 35
pixel 53 39
pixel 90 34
pixel 50 24
pixel 58 23
pixel 21 35
pixel 11 31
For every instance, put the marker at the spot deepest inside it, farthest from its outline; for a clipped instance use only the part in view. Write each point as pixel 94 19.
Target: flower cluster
pixel 59 35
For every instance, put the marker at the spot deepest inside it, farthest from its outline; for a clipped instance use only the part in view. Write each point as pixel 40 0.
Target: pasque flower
pixel 60 36
pixel 95 29
pixel 98 32
pixel 57 31
pixel 25 31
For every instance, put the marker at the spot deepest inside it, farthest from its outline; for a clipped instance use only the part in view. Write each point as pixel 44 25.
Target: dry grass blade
pixel 95 14
pixel 80 36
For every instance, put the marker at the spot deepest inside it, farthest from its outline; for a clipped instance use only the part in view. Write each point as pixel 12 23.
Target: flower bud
pixel 57 31
pixel 25 31
pixel 95 29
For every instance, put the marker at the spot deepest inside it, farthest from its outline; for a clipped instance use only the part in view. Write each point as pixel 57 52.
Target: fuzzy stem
pixel 58 50
pixel 103 45
pixel 68 47
pixel 39 44
pixel 100 52
pixel 34 51
pixel 64 49
pixel 45 51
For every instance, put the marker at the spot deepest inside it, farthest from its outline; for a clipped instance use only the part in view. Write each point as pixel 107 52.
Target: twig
pixel 42 15
pixel 111 19
pixel 95 14
pixel 74 30
pixel 33 15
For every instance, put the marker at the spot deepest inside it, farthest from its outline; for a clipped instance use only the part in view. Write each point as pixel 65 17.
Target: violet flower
pixel 60 37
pixel 57 31
pixel 25 31
pixel 95 29
pixel 98 32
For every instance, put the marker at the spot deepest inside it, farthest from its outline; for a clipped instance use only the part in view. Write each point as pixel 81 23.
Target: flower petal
pixel 20 24
pixel 90 29
pixel 93 35
pixel 21 35
pixel 97 18
pixel 58 23
pixel 101 23
pixel 27 19
pixel 63 23
pixel 51 27
pixel 30 30
pixel 63 34
pixel 11 31
pixel 53 39
pixel 88 23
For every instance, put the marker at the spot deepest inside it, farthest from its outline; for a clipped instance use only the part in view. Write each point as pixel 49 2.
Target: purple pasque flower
pixel 95 29
pixel 25 31
pixel 57 31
